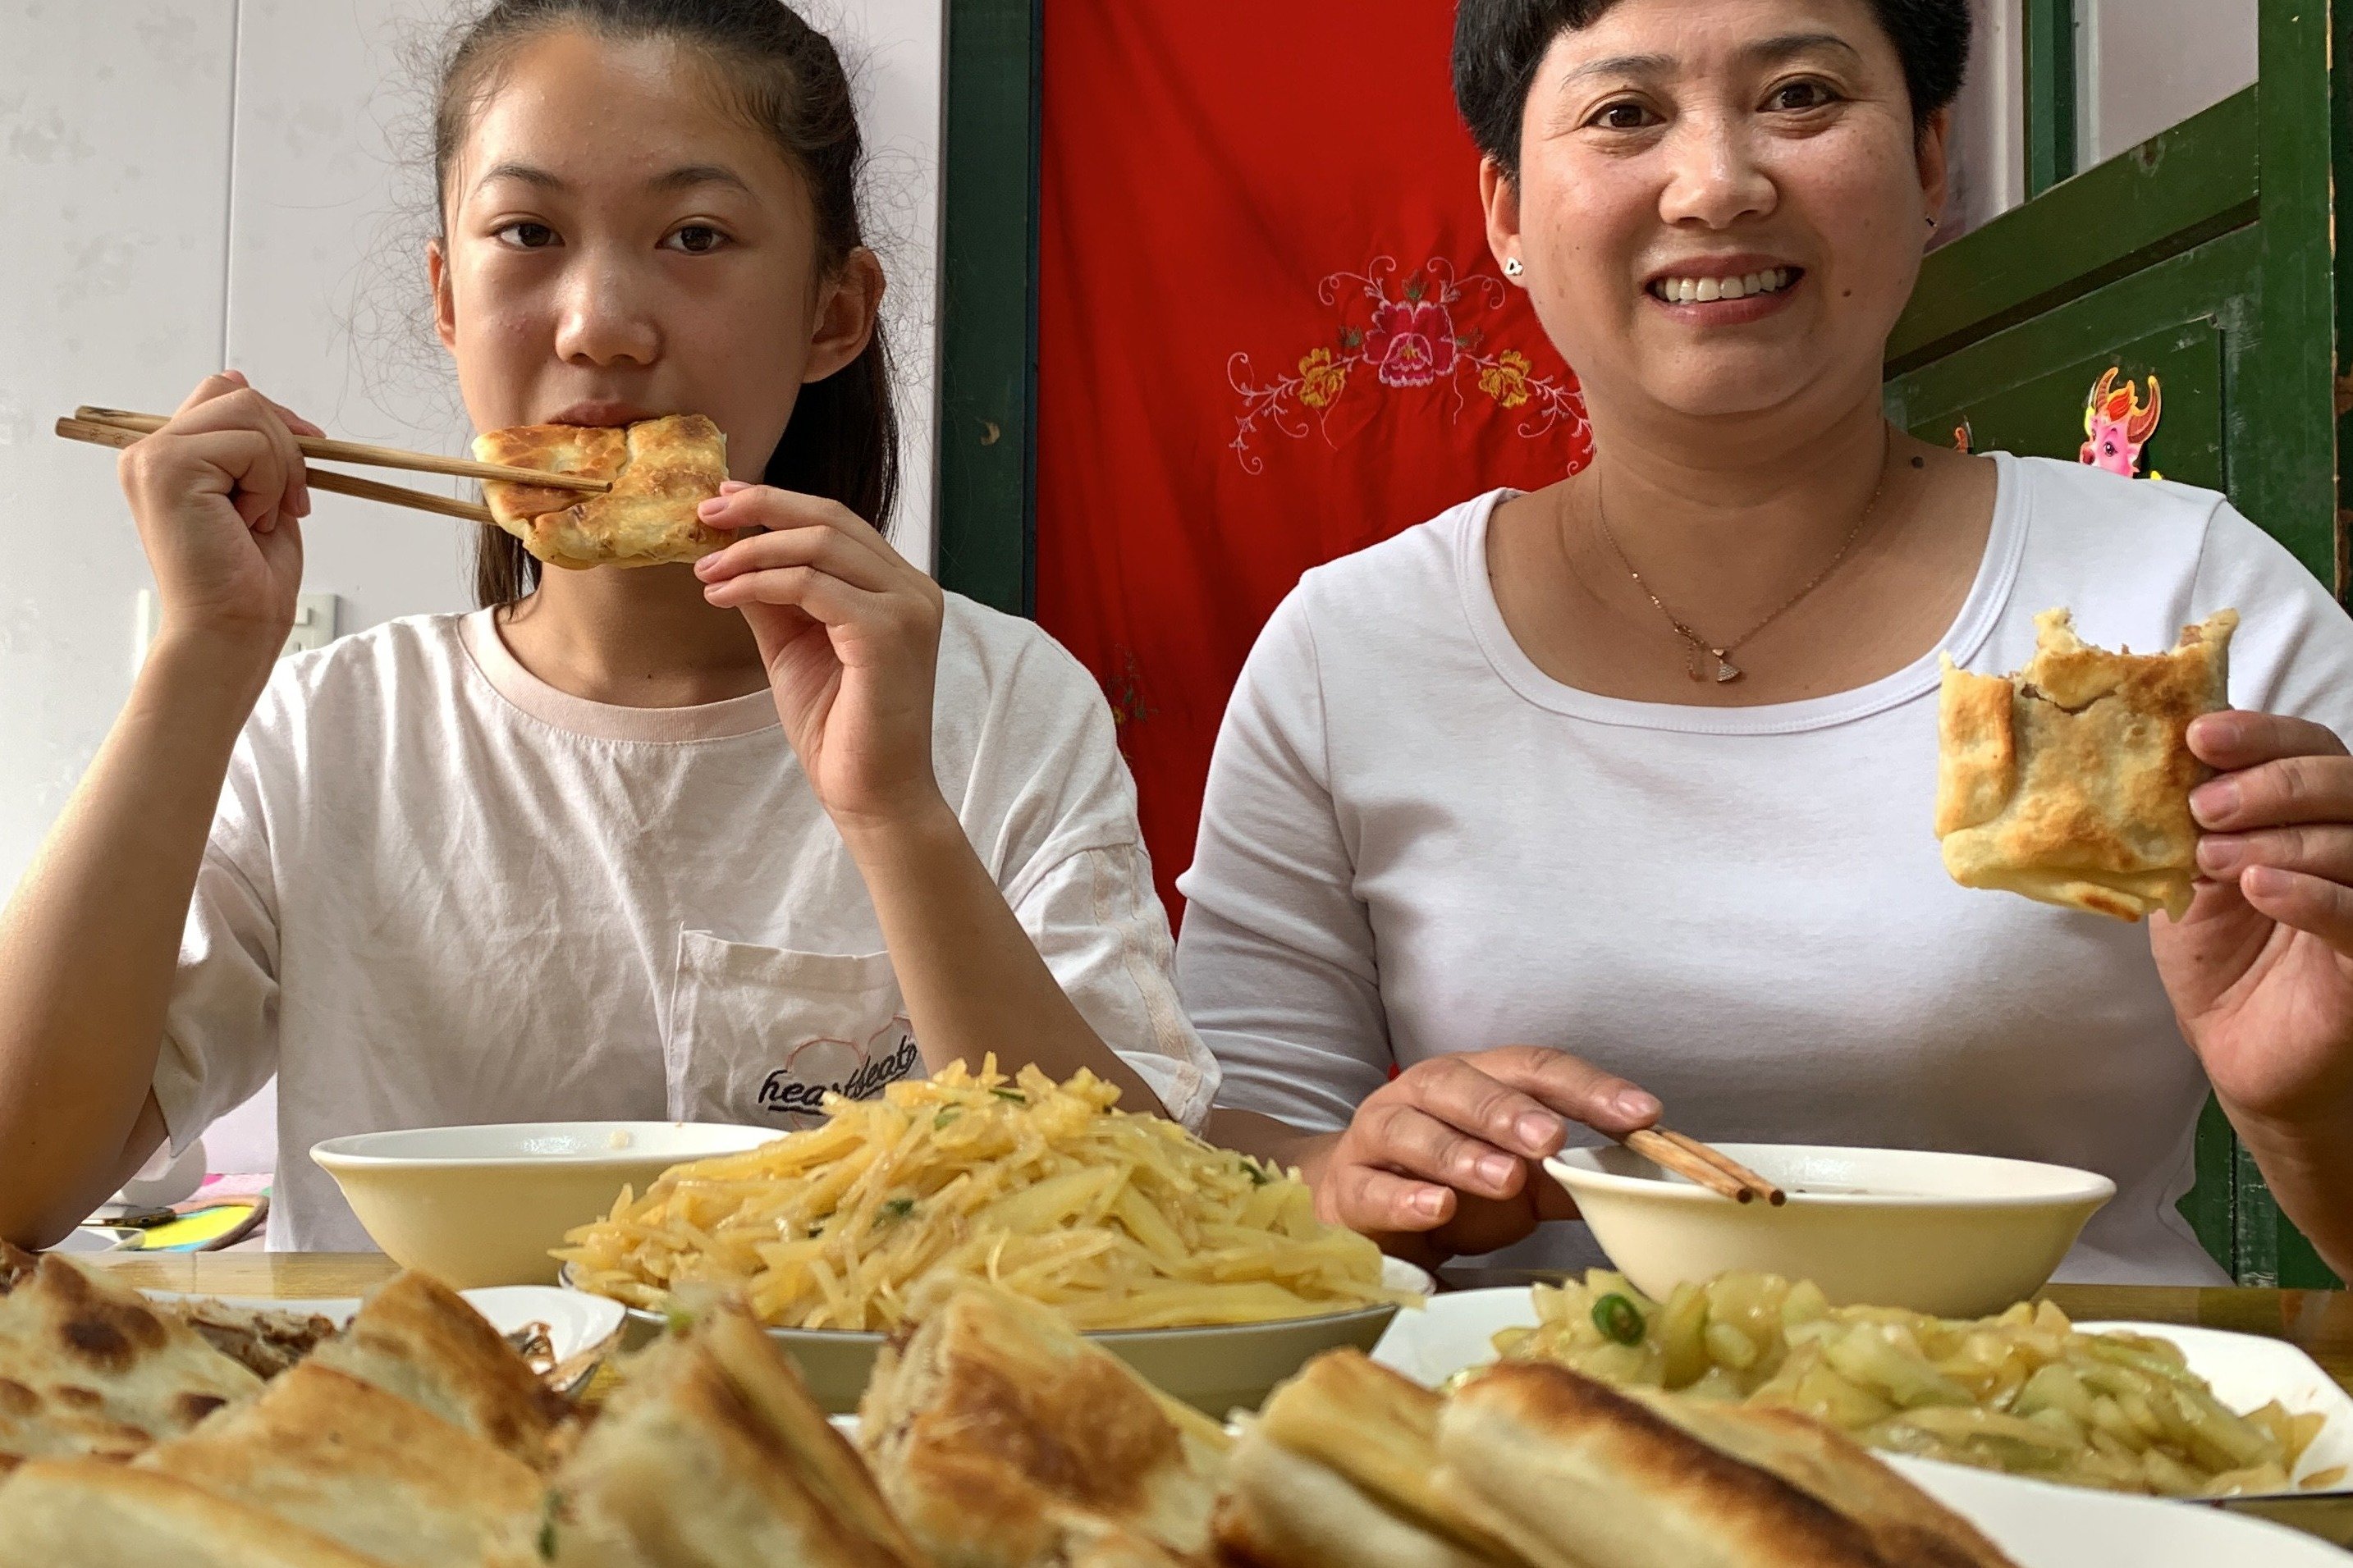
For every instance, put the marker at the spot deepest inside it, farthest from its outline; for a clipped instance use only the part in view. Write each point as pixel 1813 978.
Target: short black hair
pixel 1498 44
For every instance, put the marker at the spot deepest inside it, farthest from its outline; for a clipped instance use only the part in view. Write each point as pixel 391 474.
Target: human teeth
pixel 1706 290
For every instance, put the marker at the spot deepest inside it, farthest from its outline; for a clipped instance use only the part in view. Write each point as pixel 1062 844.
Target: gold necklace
pixel 1694 644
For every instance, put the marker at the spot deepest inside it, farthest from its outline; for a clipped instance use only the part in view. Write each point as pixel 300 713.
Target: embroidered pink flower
pixel 1411 343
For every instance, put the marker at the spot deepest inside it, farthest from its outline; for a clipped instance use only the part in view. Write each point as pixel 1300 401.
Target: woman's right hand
pixel 1446 1158
pixel 216 493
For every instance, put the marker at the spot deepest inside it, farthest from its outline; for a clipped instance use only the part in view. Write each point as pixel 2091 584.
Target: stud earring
pixel 1513 269
pixel 1932 220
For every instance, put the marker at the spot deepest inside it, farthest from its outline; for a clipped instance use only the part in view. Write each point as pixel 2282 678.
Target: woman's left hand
pixel 2260 971
pixel 850 634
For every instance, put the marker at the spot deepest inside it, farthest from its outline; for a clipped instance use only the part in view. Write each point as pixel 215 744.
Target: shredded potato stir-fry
pixel 2024 1391
pixel 1120 1221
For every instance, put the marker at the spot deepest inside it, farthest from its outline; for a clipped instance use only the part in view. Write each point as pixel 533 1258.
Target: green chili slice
pixel 1618 1319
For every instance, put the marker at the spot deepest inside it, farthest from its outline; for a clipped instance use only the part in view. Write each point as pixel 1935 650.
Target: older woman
pixel 1628 782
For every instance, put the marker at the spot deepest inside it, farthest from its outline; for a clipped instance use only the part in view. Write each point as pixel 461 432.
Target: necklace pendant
pixel 1726 671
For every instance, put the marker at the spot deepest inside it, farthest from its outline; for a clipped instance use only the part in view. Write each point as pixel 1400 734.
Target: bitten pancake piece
pixel 1579 1476
pixel 89 1366
pixel 661 470
pixel 1005 1440
pixel 90 1513
pixel 709 1456
pixel 418 1339
pixel 2069 782
pixel 346 1459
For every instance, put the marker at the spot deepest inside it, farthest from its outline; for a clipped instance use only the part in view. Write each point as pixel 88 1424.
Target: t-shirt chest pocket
pixel 759 1036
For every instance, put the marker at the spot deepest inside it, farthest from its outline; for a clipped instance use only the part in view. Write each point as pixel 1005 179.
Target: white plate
pixel 2044 1526
pixel 576 1322
pixel 1216 1368
pixel 1456 1330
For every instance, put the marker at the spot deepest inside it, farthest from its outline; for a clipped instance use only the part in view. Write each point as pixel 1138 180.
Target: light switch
pixel 314 624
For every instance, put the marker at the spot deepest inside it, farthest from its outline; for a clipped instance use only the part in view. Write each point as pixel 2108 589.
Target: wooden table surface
pixel 2320 1323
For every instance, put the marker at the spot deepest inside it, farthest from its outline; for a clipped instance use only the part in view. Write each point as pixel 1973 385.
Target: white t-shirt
pixel 439 890
pixel 1414 842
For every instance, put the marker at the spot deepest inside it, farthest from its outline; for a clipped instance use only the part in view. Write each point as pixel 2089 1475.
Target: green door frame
pixel 988 301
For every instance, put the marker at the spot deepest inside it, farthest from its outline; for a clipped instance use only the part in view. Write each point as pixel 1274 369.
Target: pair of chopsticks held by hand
pixel 1710 1167
pixel 120 428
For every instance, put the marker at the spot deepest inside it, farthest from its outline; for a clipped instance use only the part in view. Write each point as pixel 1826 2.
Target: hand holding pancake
pixel 2261 969
pixel 1449 1153
pixel 850 634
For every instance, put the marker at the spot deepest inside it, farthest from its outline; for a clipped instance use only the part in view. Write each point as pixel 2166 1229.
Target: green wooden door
pixel 2204 257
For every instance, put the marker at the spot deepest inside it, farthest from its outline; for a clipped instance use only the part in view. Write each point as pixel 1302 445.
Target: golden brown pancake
pixel 1004 1440
pixel 90 1513
pixel 712 1455
pixel 1578 1475
pixel 661 470
pixel 2069 782
pixel 347 1460
pixel 418 1339
pixel 89 1366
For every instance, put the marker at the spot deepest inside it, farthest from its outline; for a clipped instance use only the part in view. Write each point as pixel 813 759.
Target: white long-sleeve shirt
pixel 439 890
pixel 1414 842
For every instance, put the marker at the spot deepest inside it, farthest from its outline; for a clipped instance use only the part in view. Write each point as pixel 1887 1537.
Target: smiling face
pixel 1720 204
pixel 618 245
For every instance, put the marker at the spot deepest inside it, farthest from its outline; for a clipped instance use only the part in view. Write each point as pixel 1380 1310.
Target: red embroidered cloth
pixel 1270 334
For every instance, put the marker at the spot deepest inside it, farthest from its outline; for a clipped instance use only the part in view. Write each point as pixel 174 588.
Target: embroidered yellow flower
pixel 1321 379
pixel 1507 381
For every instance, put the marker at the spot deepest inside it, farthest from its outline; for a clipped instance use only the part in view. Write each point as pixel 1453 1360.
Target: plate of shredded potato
pixel 2132 1407
pixel 1198 1264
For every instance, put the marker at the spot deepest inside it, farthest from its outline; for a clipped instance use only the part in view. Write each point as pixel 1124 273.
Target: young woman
pixel 697 842
pixel 1487 797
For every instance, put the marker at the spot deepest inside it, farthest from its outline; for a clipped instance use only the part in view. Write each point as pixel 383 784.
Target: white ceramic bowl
pixel 482 1206
pixel 1958 1235
pixel 1216 1368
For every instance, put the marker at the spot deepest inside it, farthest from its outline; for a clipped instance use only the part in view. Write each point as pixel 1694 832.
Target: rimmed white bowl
pixel 1953 1234
pixel 481 1205
pixel 1216 1368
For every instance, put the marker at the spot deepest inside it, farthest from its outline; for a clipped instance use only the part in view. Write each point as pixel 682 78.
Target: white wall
pixel 1988 144
pixel 186 184
pixel 2144 65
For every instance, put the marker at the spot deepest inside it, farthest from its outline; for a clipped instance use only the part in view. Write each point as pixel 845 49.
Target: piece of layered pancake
pixel 343 1458
pixel 1005 1440
pixel 661 471
pixel 712 1455
pixel 420 1340
pixel 89 1366
pixel 1340 1470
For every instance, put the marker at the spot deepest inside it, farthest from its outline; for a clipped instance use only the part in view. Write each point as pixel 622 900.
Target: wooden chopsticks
pixel 1710 1167
pixel 318 479
pixel 361 452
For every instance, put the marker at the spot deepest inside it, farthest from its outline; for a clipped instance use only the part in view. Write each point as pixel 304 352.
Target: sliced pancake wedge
pixel 1342 1466
pixel 1577 1475
pixel 418 1339
pixel 324 1451
pixel 89 1366
pixel 1905 1523
pixel 1005 1440
pixel 712 1454
pixel 92 1513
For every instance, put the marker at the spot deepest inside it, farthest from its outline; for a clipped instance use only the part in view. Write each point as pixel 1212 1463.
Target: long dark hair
pixel 842 442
